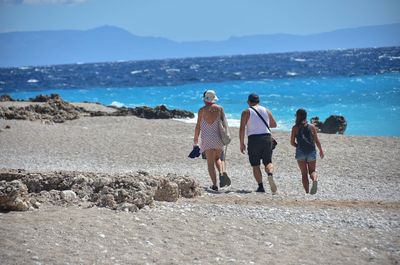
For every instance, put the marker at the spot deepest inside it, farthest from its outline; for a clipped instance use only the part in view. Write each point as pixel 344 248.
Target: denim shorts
pixel 303 156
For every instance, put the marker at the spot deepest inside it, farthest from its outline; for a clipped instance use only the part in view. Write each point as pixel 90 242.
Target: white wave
pixel 2 82
pixel 299 60
pixel 237 73
pixel 117 104
pixel 79 62
pixel 391 58
pixel 291 73
pixel 194 66
pixel 23 68
pixel 1 89
pixel 32 81
pixel 172 70
pixel 187 120
pixel 235 123
pixel 136 72
pixel 274 96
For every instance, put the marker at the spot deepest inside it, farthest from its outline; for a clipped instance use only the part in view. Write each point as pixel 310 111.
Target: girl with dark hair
pixel 304 137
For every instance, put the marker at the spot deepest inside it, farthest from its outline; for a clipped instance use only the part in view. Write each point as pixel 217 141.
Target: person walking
pixel 304 137
pixel 258 120
pixel 207 128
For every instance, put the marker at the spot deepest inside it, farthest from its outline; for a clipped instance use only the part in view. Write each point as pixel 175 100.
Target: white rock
pixel 68 195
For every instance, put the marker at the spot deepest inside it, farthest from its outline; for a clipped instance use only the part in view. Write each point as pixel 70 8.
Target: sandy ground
pixel 353 219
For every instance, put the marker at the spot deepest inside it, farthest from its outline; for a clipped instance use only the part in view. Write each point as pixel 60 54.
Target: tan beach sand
pixel 353 219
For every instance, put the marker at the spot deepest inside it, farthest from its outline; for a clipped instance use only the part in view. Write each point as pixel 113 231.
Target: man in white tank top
pixel 259 140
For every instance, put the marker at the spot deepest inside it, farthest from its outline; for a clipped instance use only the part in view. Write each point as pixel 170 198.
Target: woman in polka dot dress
pixel 207 128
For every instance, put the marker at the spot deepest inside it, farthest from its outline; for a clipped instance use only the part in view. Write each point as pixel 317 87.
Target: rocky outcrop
pixel 332 125
pixel 45 98
pixel 14 196
pixel 54 109
pixel 6 98
pixel 159 112
pixel 128 191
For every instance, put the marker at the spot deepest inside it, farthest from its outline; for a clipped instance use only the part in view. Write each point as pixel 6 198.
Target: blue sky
pixel 190 20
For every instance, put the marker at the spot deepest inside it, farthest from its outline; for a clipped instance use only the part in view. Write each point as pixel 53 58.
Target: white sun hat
pixel 210 96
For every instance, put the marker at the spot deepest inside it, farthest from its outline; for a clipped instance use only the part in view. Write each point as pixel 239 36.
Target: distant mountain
pixel 110 43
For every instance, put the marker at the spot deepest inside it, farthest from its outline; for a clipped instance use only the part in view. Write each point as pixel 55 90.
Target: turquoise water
pixel 371 104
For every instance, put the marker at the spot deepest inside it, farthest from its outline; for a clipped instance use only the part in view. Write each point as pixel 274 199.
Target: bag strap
pixel 259 115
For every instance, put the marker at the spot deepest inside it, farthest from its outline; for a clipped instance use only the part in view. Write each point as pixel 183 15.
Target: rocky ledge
pixel 21 190
pixel 332 125
pixel 54 109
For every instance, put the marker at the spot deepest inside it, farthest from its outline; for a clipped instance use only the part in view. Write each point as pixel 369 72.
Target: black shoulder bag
pixel 274 142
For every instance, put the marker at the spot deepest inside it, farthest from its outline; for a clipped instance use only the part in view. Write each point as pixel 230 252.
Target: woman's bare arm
pixel 197 128
pixel 293 136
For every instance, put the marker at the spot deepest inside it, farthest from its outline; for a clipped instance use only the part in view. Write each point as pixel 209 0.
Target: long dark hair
pixel 301 117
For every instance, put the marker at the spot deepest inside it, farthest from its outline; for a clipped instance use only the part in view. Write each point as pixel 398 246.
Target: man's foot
pixel 272 184
pixel 314 187
pixel 260 188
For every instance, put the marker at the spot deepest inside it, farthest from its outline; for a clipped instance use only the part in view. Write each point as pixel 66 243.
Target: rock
pixel 128 207
pixel 13 196
pixel 167 191
pixel 6 98
pixel 188 186
pixel 7 127
pixel 317 123
pixel 46 98
pixel 54 109
pixel 68 195
pixel 334 124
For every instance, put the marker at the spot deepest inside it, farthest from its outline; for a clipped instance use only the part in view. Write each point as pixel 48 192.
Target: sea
pixel 363 85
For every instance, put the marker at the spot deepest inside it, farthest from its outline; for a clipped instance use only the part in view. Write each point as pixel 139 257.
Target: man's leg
pixel 257 174
pixel 270 169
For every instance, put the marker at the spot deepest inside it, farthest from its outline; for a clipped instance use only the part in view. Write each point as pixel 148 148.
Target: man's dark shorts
pixel 259 148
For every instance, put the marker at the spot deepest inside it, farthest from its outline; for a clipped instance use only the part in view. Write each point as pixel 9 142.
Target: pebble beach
pixel 353 219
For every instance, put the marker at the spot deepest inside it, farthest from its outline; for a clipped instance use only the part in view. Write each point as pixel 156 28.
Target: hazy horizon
pixel 190 20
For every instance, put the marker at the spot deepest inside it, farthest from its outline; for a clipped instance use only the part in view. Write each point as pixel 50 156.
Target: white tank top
pixel 255 125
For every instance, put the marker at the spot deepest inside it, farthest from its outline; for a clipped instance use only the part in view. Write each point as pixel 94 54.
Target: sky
pixel 194 20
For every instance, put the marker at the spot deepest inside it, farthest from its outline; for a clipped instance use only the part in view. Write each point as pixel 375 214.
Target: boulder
pixel 334 124
pixel 68 195
pixel 167 191
pixel 188 186
pixel 13 196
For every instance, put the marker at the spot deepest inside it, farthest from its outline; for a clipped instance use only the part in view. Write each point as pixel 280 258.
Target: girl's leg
pixel 304 174
pixel 210 154
pixel 311 170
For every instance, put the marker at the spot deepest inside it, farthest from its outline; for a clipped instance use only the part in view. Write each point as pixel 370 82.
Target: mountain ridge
pixel 110 43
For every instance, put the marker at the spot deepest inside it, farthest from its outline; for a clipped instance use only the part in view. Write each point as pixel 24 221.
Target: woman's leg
pixel 218 162
pixel 304 174
pixel 210 154
pixel 311 170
